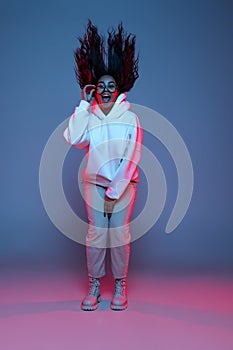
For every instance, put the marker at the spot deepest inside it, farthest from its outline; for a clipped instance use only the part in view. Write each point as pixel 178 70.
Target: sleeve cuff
pixel 110 194
pixel 83 104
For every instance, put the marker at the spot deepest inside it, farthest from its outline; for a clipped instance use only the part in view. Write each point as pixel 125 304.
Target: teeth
pixel 106 98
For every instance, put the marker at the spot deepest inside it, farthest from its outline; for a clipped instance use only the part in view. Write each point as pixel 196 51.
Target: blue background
pixel 186 55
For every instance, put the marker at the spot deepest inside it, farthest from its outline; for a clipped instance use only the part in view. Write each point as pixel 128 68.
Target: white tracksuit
pixel 113 145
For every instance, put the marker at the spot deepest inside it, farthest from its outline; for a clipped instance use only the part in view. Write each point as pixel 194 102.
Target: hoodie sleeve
pixel 76 134
pixel 129 162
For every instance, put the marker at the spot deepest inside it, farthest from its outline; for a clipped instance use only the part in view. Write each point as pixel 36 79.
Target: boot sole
pixel 93 307
pixel 118 307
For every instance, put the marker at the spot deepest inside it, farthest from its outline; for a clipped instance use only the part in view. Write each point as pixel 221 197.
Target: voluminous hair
pixel 95 58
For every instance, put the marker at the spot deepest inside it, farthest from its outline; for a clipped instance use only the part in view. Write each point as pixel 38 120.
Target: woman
pixel 111 135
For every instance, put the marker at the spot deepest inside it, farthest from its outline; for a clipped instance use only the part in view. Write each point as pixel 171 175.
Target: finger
pixel 84 95
pixel 105 209
pixel 91 93
pixel 88 91
pixel 112 206
pixel 89 88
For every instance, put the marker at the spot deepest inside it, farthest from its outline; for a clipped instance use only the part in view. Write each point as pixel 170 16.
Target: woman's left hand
pixel 88 92
pixel 108 206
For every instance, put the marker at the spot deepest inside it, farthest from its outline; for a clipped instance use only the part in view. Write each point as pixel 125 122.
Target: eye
pixel 111 85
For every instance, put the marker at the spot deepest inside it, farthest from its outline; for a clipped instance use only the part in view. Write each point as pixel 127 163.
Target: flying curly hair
pixel 93 59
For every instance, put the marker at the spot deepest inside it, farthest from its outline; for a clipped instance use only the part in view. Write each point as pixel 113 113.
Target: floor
pixel 41 311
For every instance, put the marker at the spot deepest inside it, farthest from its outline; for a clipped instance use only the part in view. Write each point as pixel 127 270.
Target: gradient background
pixel 180 285
pixel 186 56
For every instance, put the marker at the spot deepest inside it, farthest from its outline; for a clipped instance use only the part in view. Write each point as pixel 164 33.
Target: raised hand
pixel 87 92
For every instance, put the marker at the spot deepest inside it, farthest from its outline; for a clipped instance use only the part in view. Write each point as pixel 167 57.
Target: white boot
pixel 91 300
pixel 119 300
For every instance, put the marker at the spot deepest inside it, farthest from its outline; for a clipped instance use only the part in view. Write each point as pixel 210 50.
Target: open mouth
pixel 106 98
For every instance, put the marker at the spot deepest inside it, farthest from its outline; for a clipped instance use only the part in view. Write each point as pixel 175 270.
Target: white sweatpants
pixel 104 233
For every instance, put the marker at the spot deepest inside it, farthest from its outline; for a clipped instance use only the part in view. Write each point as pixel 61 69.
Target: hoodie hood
pixel 120 106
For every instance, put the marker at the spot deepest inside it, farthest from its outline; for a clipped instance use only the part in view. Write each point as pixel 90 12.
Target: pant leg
pixel 96 240
pixel 120 261
pixel 95 261
pixel 119 232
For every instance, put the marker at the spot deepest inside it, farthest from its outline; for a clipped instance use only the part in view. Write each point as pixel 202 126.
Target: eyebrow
pixel 111 81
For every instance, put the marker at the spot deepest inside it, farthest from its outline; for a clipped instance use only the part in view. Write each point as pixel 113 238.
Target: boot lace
pixel 93 287
pixel 120 287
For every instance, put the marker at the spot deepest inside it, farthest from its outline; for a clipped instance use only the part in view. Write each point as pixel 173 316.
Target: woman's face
pixel 106 93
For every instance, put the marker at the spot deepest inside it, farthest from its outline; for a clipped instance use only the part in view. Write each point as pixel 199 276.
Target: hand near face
pixel 87 92
pixel 108 206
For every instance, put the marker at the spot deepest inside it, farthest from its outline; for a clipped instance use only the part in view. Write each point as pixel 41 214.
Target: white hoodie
pixel 113 144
